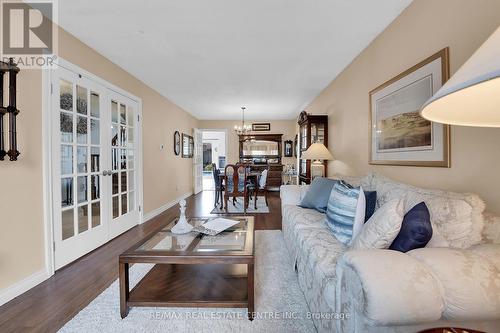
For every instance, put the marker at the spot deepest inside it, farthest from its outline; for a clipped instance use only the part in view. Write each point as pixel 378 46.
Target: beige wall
pixel 424 28
pixel 21 201
pixel 166 176
pixel 285 127
pixel 161 118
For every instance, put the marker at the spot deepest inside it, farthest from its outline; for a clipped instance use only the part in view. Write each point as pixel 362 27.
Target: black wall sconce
pixel 11 69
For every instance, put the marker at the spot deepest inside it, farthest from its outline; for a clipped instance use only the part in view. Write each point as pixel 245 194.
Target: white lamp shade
pixel 317 151
pixel 471 97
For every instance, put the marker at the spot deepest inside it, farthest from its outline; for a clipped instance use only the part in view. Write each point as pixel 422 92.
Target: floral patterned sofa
pixel 455 280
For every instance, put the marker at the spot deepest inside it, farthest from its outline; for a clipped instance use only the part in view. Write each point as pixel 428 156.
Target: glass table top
pixel 232 239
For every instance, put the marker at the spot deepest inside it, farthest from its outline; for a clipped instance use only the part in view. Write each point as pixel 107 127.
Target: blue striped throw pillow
pixel 345 212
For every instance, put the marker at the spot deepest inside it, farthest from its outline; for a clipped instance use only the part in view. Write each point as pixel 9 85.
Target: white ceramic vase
pixel 182 226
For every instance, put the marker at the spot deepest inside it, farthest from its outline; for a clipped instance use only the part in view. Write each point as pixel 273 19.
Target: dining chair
pixel 236 184
pixel 219 187
pixel 262 186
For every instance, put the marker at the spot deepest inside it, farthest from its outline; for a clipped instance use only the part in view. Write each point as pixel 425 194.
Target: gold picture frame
pixel 390 142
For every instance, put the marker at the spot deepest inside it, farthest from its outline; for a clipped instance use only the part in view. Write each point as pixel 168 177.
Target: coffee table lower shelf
pixel 189 285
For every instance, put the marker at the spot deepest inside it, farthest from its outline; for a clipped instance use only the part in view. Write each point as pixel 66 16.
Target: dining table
pixel 253 175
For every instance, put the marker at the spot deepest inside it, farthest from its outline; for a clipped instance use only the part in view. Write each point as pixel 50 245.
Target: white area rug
pixel 238 207
pixel 279 303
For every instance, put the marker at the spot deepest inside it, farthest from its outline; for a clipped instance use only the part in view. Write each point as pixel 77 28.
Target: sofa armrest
pixel 469 280
pixel 292 194
pixel 384 287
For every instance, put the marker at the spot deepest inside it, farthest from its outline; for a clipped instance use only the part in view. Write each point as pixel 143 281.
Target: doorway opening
pixel 214 155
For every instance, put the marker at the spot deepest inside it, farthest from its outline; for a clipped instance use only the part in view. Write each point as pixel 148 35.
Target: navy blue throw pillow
pixel 318 194
pixel 416 230
pixel 371 202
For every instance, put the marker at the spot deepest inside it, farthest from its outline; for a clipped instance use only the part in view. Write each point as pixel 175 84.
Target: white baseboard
pixel 155 212
pixel 22 286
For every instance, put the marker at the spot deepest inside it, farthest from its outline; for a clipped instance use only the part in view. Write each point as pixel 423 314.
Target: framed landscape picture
pixel 398 134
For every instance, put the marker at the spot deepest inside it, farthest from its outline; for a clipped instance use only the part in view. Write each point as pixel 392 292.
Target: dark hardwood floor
pixel 48 306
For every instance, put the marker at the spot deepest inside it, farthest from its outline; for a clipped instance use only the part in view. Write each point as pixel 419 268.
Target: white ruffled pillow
pixel 382 228
pixel 457 217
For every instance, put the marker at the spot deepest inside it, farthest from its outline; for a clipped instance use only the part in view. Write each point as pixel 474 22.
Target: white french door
pixel 94 164
pixel 124 212
pixel 198 161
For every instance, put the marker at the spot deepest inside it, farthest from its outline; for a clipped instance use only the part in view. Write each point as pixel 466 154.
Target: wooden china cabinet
pixel 312 128
pixel 263 151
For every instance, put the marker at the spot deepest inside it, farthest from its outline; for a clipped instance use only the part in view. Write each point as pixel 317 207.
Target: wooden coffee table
pixel 193 270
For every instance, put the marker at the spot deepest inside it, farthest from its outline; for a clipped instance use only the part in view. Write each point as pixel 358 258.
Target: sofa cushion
pixel 292 194
pixel 316 264
pixel 382 228
pixel 345 213
pixel 298 219
pixel 295 219
pixel 416 230
pixel 470 282
pixel 457 216
pixel 318 194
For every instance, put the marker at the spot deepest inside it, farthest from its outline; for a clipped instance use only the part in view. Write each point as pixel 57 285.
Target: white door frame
pixel 223 130
pixel 225 136
pixel 47 153
pixel 197 157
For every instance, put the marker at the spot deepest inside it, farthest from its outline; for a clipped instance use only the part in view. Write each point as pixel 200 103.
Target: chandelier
pixel 243 129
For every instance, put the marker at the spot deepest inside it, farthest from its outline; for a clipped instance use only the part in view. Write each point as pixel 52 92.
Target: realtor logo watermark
pixel 28 33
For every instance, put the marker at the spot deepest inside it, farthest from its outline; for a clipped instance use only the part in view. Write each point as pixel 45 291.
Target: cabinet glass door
pixel 303 166
pixel 303 137
pixel 303 147
pixel 317 133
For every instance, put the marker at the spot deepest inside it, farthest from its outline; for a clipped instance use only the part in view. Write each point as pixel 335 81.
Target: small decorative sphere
pixel 182 203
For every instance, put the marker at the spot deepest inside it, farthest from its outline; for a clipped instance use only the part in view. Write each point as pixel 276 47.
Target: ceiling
pixel 211 57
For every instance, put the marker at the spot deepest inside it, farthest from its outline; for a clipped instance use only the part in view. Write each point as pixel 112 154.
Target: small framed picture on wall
pixel 177 143
pixel 261 127
pixel 187 146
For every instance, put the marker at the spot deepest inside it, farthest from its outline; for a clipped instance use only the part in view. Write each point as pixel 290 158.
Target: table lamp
pixel 471 97
pixel 317 152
